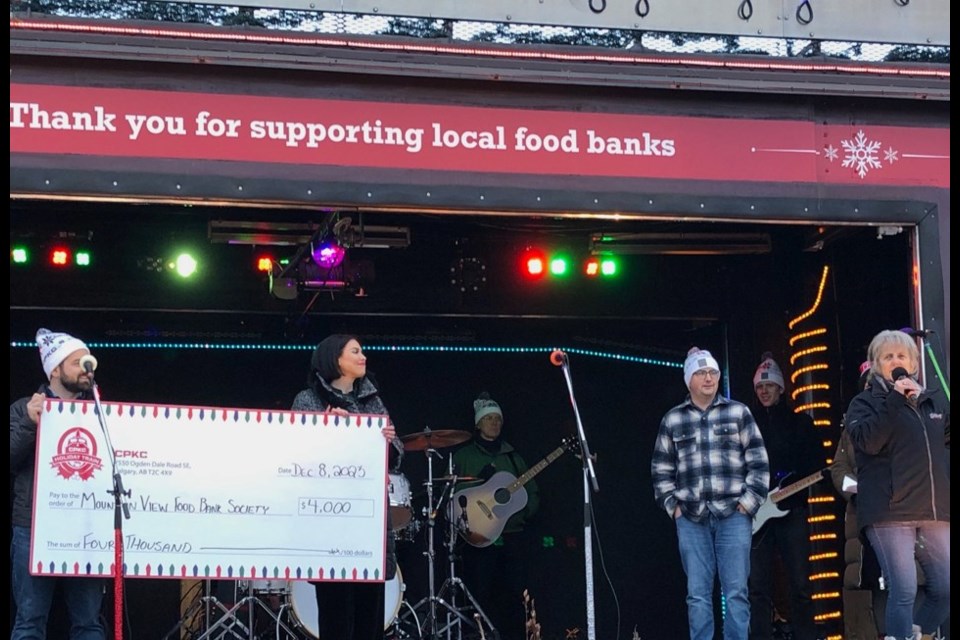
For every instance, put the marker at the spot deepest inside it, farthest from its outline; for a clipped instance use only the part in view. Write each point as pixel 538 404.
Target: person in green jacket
pixel 497 552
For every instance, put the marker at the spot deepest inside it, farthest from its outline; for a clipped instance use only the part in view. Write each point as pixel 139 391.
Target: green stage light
pixel 559 266
pixel 609 267
pixel 184 265
pixel 82 258
pixel 19 255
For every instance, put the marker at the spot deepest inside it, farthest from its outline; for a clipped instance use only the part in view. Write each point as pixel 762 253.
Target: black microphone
pixel 917 333
pixel 898 374
pixel 88 363
pixel 557 358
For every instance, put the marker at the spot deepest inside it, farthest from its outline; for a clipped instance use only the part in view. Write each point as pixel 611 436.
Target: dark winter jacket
pixel 792 446
pixel 365 398
pixel 901 453
pixel 23 453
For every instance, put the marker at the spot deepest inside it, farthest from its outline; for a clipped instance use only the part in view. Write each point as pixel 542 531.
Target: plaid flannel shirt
pixel 709 461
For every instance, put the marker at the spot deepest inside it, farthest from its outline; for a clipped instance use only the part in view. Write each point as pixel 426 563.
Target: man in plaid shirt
pixel 711 474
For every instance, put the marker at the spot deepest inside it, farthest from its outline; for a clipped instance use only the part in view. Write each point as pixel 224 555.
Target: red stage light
pixel 534 263
pixel 60 256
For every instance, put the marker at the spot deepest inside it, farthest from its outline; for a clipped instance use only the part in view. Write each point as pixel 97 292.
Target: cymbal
pixel 434 439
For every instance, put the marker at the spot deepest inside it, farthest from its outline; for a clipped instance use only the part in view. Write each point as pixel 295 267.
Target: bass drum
pixel 303 601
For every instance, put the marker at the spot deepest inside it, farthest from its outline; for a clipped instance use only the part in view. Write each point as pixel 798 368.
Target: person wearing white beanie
pixel 57 347
pixel 710 474
pixel 794 451
pixel 60 355
pixel 697 360
pixel 497 574
pixel 768 371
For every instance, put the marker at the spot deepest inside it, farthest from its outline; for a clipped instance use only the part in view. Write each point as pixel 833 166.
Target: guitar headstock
pixel 570 444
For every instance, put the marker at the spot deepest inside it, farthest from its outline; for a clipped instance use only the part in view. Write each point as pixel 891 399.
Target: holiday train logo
pixel 77 455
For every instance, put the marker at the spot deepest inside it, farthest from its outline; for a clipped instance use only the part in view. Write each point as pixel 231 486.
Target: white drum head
pixel 303 601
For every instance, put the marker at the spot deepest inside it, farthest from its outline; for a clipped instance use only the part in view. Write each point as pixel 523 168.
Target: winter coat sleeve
pixel 23 436
pixel 871 421
pixel 843 465
pixel 757 482
pixel 663 470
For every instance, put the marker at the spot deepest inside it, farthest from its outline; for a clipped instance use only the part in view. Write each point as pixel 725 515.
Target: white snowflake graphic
pixel 891 155
pixel 861 154
pixel 831 152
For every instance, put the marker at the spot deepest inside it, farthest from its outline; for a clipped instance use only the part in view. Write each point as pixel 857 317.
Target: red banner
pixel 89 121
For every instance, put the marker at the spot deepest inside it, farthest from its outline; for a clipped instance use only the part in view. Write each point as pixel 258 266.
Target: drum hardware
pixel 431 627
pixel 409 532
pixel 230 623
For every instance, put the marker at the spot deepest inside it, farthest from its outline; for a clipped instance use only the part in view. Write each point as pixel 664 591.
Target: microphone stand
pixel 936 367
pixel 120 506
pixel 589 481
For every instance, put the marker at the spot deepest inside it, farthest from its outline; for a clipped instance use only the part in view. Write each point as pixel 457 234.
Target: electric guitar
pixel 482 512
pixel 769 509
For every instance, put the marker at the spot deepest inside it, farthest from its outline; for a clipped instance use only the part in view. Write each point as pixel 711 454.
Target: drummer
pixel 497 574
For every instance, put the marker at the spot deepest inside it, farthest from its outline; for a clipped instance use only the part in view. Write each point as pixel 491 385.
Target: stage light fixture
pixel 469 274
pixel 265 264
pixel 328 254
pixel 534 263
pixel 60 256
pixel 559 266
pixel 82 258
pixel 184 265
pixel 20 255
pixel 609 267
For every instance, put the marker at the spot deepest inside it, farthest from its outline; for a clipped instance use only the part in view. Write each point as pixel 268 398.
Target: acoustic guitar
pixel 481 512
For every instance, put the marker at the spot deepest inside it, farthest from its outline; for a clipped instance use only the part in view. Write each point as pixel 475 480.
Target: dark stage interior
pixel 625 338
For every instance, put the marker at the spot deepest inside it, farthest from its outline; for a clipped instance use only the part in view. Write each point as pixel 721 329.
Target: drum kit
pixel 440 613
pixel 447 612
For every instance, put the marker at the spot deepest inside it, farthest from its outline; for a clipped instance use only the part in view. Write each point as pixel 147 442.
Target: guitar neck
pixel 797 486
pixel 537 468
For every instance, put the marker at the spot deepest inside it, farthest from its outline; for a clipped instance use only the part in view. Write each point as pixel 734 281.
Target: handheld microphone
pixel 898 374
pixel 558 358
pixel 88 363
pixel 917 333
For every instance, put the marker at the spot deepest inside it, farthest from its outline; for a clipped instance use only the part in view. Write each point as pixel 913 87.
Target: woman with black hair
pixel 338 383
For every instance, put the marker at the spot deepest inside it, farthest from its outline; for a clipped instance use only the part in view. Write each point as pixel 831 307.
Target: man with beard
pixel 60 355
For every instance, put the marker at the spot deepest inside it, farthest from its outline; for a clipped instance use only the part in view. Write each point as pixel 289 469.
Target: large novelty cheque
pixel 215 492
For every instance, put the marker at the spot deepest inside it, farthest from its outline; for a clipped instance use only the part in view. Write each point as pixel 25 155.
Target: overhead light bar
pixel 680 244
pixel 367 236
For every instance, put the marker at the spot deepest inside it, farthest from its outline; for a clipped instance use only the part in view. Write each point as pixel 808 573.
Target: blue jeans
pixel 896 545
pixel 706 549
pixel 34 595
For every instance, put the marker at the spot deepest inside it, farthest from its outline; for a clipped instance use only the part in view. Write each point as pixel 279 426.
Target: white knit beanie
pixel 55 347
pixel 484 406
pixel 768 371
pixel 698 359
